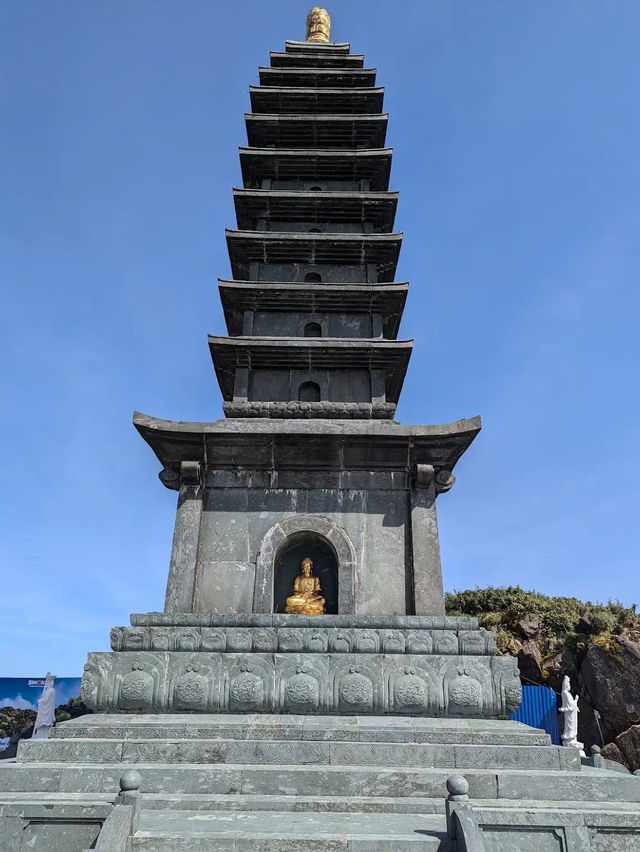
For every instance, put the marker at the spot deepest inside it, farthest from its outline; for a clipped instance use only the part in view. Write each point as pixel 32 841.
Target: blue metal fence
pixel 539 710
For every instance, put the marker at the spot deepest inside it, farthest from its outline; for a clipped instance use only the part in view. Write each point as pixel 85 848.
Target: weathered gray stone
pixel 27 779
pixel 530 625
pixel 117 829
pixel 612 753
pixel 530 662
pixel 545 825
pixel 298 752
pixel 365 682
pixel 367 729
pixel 307 832
pixel 50 825
pixel 627 745
pixel 224 586
pixel 308 639
pixel 610 682
pixel 593 786
pixel 71 751
pixel 43 836
pixel 425 543
pixel 182 569
pixel 356 480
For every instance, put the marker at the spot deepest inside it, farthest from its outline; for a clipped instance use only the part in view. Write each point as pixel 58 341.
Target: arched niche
pixel 312 329
pixel 309 392
pixel 288 564
pixel 317 532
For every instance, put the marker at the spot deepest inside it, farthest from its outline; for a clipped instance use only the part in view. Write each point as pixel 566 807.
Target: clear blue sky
pixel 516 132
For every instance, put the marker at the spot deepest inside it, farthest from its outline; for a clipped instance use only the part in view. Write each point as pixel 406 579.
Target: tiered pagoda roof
pixel 325 77
pixel 326 130
pixel 313 309
pixel 377 209
pixel 240 297
pixel 316 164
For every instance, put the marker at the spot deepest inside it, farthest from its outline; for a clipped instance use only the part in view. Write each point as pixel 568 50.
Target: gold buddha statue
pixel 306 598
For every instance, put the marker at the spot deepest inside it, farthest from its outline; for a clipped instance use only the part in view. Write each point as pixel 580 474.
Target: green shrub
pixel 503 608
pixel 601 621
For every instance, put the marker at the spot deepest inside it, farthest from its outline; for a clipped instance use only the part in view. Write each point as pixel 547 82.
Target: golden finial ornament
pixel 318 25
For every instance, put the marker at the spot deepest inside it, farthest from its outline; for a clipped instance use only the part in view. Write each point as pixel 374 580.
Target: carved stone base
pixel 311 640
pixel 328 664
pixel 425 685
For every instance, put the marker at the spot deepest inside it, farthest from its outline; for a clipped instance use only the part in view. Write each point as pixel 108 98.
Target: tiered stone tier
pixel 236 783
pixel 311 664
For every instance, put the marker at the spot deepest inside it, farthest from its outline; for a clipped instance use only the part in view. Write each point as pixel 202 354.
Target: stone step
pixel 347 781
pixel 278 727
pixel 320 804
pixel 238 802
pixel 316 753
pixel 289 832
pixel 590 785
pixel 611 809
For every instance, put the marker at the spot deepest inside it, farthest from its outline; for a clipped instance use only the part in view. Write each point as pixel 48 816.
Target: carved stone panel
pixel 192 688
pixel 247 691
pixel 301 693
pixel 355 692
pixel 136 689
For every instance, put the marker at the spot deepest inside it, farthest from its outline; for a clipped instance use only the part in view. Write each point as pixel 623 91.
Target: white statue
pixel 46 717
pixel 570 709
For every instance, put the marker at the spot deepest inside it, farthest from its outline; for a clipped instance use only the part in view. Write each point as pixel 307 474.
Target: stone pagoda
pixel 309 462
pixel 303 689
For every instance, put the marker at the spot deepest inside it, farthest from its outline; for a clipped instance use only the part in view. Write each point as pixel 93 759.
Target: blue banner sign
pixel 22 693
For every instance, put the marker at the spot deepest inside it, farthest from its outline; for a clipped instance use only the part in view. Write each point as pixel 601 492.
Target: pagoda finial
pixel 318 25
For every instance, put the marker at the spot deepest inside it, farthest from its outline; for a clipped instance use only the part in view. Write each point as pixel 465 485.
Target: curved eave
pixel 317 164
pixel 323 131
pixel 330 444
pixel 317 47
pixel 385 299
pixel 305 353
pixel 377 208
pixel 314 249
pixel 321 77
pixel 301 59
pixel 306 100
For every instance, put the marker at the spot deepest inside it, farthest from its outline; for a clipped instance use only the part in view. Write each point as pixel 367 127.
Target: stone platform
pixel 403 665
pixel 308 783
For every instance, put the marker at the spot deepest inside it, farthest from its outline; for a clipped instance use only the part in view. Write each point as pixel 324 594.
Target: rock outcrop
pixel 597 646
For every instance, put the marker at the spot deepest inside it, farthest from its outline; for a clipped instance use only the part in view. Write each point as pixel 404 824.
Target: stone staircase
pixel 306 783
pixel 300 831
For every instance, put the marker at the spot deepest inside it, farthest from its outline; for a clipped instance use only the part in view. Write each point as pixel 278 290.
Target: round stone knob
pixel 595 750
pixel 457 785
pixel 131 780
